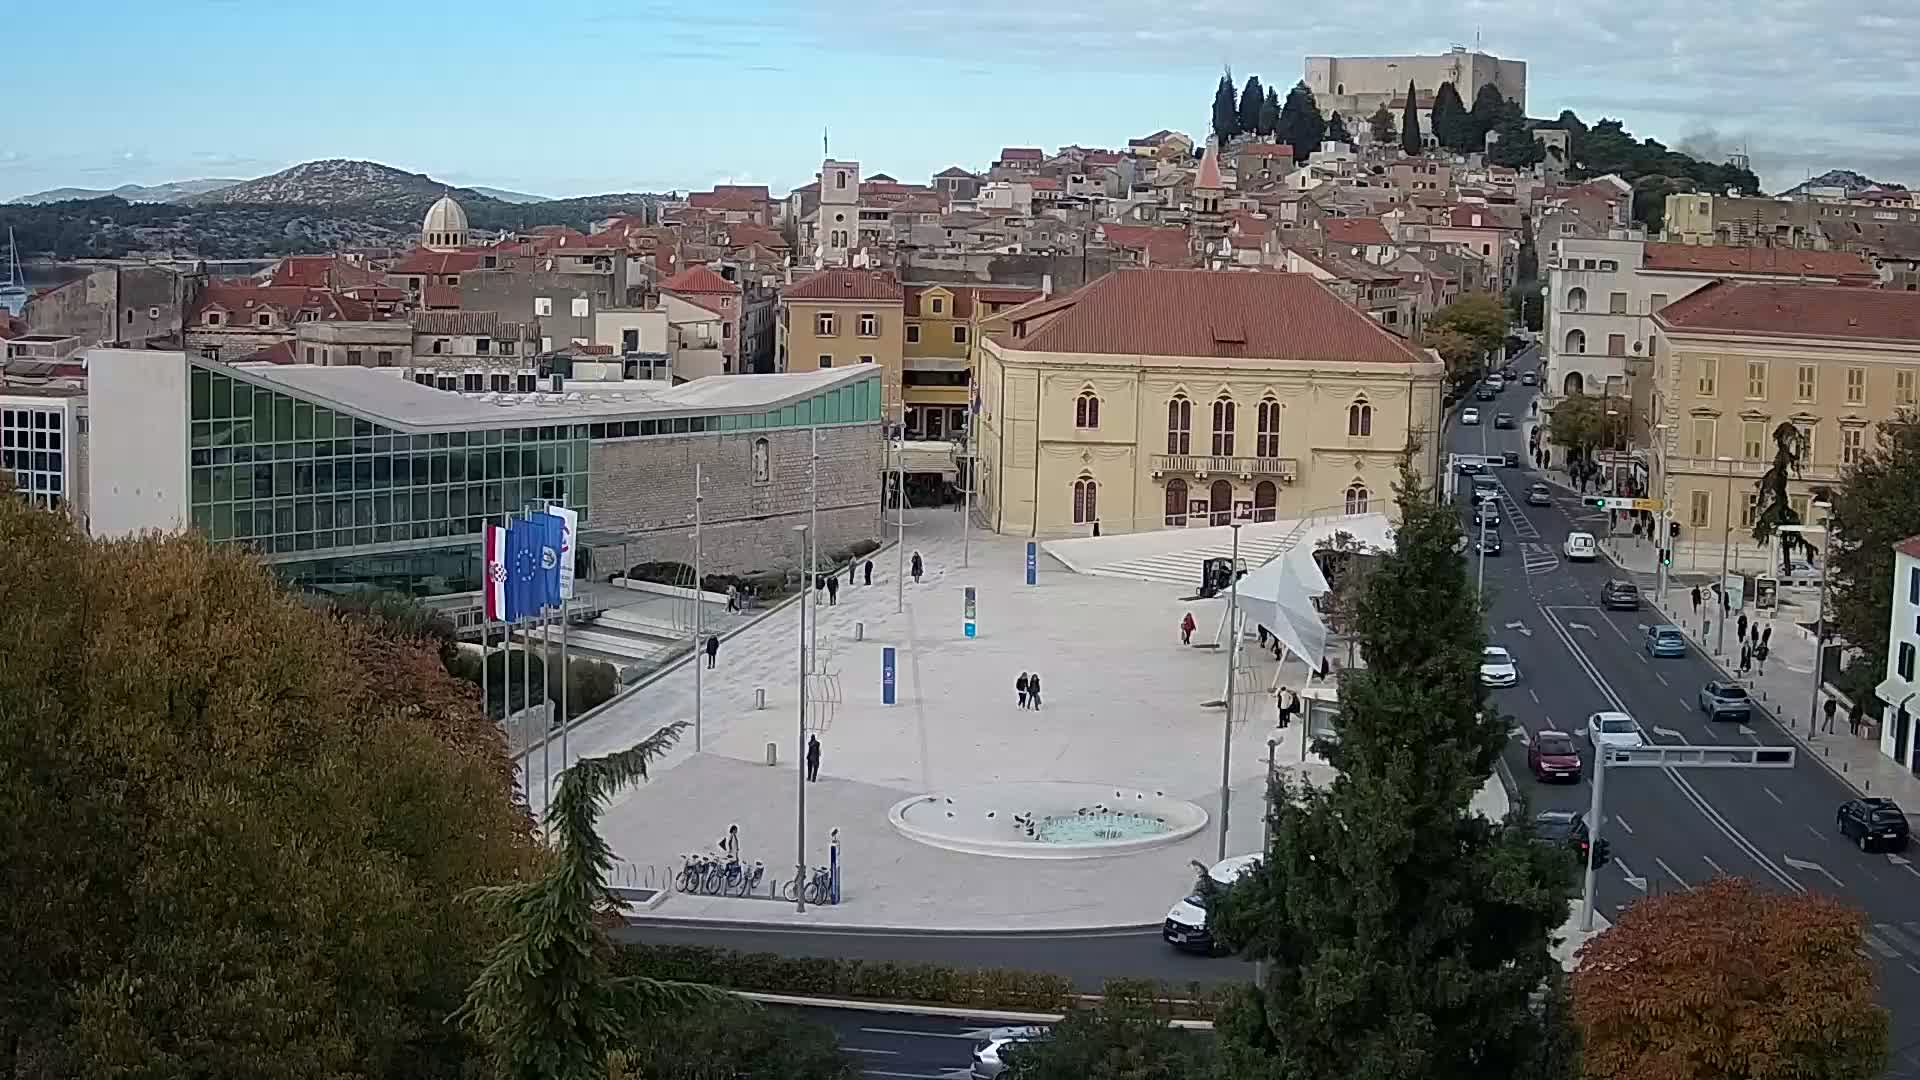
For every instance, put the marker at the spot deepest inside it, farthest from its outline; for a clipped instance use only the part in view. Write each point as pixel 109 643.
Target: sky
pixel 576 97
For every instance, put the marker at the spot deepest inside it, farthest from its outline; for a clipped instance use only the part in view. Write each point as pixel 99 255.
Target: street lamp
pixel 1665 537
pixel 1726 548
pixel 1820 616
pixel 800 759
pixel 1266 836
pixel 1233 649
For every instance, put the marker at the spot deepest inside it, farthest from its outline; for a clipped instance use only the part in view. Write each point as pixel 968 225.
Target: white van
pixel 1186 925
pixel 1580 547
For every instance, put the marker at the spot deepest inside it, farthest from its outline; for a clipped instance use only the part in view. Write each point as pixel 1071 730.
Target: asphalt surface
pixel 902 1046
pixel 1670 828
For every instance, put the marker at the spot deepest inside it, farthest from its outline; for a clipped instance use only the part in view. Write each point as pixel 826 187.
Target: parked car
pixel 1488 541
pixel 1470 416
pixel 1568 828
pixel 1614 729
pixel 989 1054
pixel 1186 923
pixel 1503 420
pixel 1619 595
pixel 1497 667
pixel 1580 547
pixel 1722 700
pixel 1554 755
pixel 1873 823
pixel 1539 495
pixel 1665 642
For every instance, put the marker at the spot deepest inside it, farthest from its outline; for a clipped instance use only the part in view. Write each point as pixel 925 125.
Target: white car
pixel 1497 667
pixel 1470 416
pixel 1580 547
pixel 1605 729
pixel 988 1059
pixel 1186 925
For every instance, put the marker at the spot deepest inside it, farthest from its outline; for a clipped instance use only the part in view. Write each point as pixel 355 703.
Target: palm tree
pixel 1773 508
pixel 548 1000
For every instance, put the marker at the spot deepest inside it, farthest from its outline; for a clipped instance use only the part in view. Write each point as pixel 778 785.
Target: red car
pixel 1554 756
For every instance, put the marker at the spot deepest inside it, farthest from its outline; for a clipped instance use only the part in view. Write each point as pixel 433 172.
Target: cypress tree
pixel 1301 125
pixel 1226 112
pixel 1270 112
pixel 1337 130
pixel 1489 109
pixel 1410 123
pixel 1381 126
pixel 1451 125
pixel 1251 100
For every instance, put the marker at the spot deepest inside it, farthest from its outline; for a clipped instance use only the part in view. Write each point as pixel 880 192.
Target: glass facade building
pixel 34 449
pixel 340 500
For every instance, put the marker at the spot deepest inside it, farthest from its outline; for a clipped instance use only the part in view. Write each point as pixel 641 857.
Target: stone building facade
pixel 129 306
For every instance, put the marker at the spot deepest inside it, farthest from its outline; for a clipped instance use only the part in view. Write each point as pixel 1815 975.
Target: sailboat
pixel 13 289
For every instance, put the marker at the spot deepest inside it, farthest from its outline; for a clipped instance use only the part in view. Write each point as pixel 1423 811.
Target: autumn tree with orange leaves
pixel 1729 981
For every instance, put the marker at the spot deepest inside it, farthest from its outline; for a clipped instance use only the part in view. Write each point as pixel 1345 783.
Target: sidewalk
pixel 1785 690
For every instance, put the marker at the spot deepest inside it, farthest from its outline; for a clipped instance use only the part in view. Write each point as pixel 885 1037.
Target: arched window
pixel 1574 384
pixel 1576 341
pixel 1576 299
pixel 1176 502
pixel 1359 418
pixel 1357 497
pixel 1085 509
pixel 1223 411
pixel 1220 503
pixel 1086 411
pixel 1179 426
pixel 1266 442
pixel 1266 501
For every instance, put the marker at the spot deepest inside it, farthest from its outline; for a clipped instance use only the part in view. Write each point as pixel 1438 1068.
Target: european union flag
pixel 523 554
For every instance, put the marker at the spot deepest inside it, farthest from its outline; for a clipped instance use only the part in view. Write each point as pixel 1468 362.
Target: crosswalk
pixel 1538 557
pixel 1890 942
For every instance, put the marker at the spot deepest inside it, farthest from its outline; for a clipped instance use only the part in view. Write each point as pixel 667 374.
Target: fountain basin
pixel 1047 820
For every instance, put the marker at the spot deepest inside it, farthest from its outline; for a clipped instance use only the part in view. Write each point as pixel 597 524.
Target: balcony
pixel 1286 470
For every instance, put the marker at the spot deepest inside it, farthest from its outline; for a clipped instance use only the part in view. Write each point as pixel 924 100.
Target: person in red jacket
pixel 1186 629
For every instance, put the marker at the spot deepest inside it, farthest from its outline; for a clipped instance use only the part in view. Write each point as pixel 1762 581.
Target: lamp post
pixel 1266 836
pixel 1726 549
pixel 1233 649
pixel 800 816
pixel 1665 538
pixel 698 687
pixel 1820 616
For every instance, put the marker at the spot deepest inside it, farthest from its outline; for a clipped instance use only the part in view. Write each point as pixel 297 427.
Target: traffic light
pixel 1673 529
pixel 1666 556
pixel 1596 502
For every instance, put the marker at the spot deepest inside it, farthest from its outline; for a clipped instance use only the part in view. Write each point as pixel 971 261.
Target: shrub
pixel 590 684
pixel 733 1040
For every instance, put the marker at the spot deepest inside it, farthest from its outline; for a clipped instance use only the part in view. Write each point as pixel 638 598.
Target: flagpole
pixel 486 627
pixel 566 718
pixel 698 685
pixel 546 701
pixel 526 701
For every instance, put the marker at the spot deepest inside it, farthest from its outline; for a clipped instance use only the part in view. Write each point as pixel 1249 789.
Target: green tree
pixel 1729 980
pixel 1252 98
pixel 1410 141
pixel 1527 265
pixel 1876 506
pixel 1380 126
pixel 1404 935
pixel 548 1001
pixel 1301 125
pixel 1270 112
pixel 1514 145
pixel 733 1040
pixel 1774 508
pixel 1579 423
pixel 1451 125
pixel 233 829
pixel 1226 110
pixel 1480 316
pixel 1337 130
pixel 1489 107
pixel 1458 351
pixel 1126 1038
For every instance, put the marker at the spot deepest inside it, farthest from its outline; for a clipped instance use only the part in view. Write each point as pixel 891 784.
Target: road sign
pixel 1608 502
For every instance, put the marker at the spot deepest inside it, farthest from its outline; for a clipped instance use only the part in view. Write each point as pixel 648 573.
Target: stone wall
pixel 644 488
pixel 126 306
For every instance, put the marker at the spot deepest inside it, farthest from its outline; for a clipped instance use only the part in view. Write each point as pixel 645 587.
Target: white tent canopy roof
pixel 1279 595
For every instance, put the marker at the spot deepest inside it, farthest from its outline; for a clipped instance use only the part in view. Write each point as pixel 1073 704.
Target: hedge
pixel 881 980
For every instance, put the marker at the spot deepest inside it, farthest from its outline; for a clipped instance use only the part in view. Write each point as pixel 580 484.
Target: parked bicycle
pixel 816 889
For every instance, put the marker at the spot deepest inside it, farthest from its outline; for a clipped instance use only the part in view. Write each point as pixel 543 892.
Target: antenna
pixel 823 142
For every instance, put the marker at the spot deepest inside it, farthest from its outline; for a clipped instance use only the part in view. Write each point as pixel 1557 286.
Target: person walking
pixel 869 572
pixel 733 599
pixel 713 649
pixel 1020 687
pixel 1766 636
pixel 1187 626
pixel 813 758
pixel 1746 659
pixel 917 568
pixel 1696 599
pixel 1856 718
pixel 833 590
pixel 1831 706
pixel 1740 627
pixel 1033 690
pixel 730 844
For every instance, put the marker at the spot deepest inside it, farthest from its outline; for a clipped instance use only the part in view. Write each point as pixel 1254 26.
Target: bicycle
pixel 820 889
pixel 693 871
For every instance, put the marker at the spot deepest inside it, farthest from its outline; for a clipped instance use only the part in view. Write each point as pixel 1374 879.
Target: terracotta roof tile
pixel 1265 150
pixel 846 285
pixel 1022 153
pixel 966 296
pixel 1909 547
pixel 1164 245
pixel 699 279
pixel 280 352
pixel 422 261
pixel 440 297
pixel 1791 309
pixel 1209 313
pixel 1725 259
pixel 1364 230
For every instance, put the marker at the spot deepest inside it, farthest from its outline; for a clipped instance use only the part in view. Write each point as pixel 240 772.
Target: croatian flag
pixel 494 552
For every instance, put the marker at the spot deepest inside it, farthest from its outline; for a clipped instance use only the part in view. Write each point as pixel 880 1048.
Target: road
pixel 902 1046
pixel 1671 829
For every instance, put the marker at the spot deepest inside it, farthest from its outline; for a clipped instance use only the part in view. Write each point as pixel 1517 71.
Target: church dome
pixel 445 225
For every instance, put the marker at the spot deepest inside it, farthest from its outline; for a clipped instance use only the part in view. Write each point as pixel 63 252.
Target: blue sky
pixel 572 97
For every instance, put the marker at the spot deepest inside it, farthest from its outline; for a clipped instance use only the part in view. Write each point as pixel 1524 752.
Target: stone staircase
pixel 1183 567
pixel 635 643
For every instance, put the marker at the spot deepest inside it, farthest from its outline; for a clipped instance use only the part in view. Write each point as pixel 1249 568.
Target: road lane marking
pixel 1534 696
pixel 1817 834
pixel 1668 733
pixel 1717 868
pixel 1662 678
pixel 1622 822
pixel 1900 940
pixel 916 1076
pixel 1637 882
pixel 1802 864
pixel 1885 950
pixel 967 1035
pixel 869 1050
pixel 1774 797
pixel 1672 873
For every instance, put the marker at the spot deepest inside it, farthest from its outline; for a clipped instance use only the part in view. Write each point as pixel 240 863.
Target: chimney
pixel 1046 285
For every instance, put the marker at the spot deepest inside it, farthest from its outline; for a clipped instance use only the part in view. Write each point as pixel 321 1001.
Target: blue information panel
pixel 970 611
pixel 886 675
pixel 1033 563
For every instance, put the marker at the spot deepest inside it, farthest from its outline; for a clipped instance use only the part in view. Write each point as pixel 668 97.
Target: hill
pixel 340 183
pixel 1845 179
pixel 510 196
pixel 133 193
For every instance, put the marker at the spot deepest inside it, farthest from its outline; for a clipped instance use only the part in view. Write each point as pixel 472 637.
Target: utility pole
pixel 900 511
pixel 699 695
pixel 1233 649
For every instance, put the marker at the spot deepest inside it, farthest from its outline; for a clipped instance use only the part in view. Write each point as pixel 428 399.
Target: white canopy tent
pixel 1279 595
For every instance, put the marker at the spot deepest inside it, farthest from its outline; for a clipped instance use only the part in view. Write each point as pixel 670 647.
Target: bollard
pixel 859 631
pixel 759 697
pixel 773 754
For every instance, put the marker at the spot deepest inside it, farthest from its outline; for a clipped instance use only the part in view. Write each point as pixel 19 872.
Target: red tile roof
pixel 1791 309
pixel 1209 178
pixel 725 197
pixel 422 261
pixel 1909 547
pixel 1789 262
pixel 440 297
pixel 1164 245
pixel 288 300
pixel 1209 313
pixel 280 352
pixel 1462 217
pixel 1266 150
pixel 744 235
pixel 699 279
pixel 1356 231
pixel 846 285
pixel 966 296
pixel 321 272
pixel 1048 183
pixel 1021 153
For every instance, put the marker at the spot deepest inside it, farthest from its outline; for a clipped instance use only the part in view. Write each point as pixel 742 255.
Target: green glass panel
pixel 202 433
pixel 222 528
pixel 220 483
pixel 202 486
pixel 263 416
pixel 203 518
pixel 422 507
pixel 242 400
pixel 283 430
pixel 303 420
pixel 222 396
pixel 201 393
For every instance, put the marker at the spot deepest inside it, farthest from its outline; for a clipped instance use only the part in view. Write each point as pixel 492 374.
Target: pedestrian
pixel 1832 705
pixel 733 599
pixel 1696 599
pixel 1020 687
pixel 713 649
pixel 833 590
pixel 918 567
pixel 730 844
pixel 1187 626
pixel 1263 635
pixel 1856 717
pixel 813 758
pixel 1746 659
pixel 1766 636
pixel 869 571
pixel 1760 657
pixel 1033 690
pixel 1289 704
pixel 1740 631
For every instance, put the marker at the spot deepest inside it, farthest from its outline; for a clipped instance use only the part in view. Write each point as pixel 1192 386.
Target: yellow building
pixel 839 318
pixel 944 327
pixel 1159 399
pixel 1736 360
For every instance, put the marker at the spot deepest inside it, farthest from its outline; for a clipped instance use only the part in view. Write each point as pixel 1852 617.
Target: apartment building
pixel 1742 221
pixel 843 317
pixel 944 324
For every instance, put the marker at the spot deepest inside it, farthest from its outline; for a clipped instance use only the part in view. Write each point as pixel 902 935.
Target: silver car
pixel 989 1054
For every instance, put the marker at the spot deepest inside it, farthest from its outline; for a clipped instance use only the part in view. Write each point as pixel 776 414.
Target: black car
pixel 1617 595
pixel 1568 828
pixel 1873 823
pixel 1511 459
pixel 1726 701
pixel 1503 420
pixel 1489 542
pixel 1485 393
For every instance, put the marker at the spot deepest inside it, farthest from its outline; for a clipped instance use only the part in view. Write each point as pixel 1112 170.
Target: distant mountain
pixel 133 193
pixel 339 183
pixel 510 196
pixel 1846 179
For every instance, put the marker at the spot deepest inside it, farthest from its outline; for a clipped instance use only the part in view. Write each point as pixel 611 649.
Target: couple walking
pixel 1028 687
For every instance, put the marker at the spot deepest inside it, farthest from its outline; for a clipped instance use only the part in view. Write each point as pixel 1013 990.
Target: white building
pixel 1897 738
pixel 42 451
